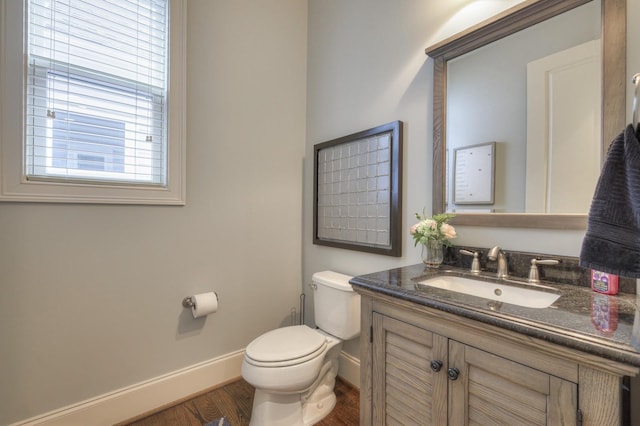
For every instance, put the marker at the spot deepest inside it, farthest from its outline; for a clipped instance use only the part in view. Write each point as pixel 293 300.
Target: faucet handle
pixel 475 264
pixel 534 274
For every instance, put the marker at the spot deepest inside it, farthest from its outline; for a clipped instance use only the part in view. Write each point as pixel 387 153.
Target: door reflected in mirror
pixel 537 94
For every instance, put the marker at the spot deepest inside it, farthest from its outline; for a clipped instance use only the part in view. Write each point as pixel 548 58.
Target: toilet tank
pixel 336 305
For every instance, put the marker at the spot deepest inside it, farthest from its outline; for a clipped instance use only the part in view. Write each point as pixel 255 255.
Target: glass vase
pixel 432 253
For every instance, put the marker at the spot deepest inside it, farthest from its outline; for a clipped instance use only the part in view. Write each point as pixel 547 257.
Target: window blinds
pixel 96 91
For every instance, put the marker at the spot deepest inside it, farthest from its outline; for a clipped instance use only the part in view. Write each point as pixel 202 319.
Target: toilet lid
pixel 287 343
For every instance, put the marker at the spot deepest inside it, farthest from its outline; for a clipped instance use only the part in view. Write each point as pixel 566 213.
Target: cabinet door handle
pixel 436 365
pixel 453 373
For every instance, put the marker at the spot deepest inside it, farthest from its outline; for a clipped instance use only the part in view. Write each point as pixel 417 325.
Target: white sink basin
pixel 527 297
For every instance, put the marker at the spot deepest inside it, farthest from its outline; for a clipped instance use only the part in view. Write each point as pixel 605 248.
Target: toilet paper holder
pixel 187 302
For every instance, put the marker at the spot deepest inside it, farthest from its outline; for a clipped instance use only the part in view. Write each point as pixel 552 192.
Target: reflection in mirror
pixel 572 60
pixel 547 76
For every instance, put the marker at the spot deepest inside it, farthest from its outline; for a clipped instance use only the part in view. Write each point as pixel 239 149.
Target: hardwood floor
pixel 234 401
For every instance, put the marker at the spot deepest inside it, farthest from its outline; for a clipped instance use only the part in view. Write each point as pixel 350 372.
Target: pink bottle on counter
pixel 604 283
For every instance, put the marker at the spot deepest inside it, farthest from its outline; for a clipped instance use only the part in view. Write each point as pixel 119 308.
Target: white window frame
pixel 14 185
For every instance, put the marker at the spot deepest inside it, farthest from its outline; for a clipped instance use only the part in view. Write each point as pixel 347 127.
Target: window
pixel 81 142
pixel 97 123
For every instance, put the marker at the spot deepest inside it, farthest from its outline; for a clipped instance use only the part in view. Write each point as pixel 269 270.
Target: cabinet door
pixel 490 390
pixel 406 389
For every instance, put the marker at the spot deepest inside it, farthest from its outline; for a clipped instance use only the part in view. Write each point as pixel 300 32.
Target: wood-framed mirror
pixel 514 20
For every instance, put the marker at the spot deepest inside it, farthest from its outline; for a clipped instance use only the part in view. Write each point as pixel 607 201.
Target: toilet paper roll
pixel 204 304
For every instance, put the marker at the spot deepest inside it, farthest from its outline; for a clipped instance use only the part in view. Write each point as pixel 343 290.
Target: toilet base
pixel 312 413
pixel 286 410
pixel 298 409
pixel 270 409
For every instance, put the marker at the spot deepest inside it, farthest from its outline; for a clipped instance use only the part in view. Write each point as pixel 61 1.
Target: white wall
pixel 367 67
pixel 90 295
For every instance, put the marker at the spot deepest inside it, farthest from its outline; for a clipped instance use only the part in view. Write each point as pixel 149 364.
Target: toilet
pixel 293 369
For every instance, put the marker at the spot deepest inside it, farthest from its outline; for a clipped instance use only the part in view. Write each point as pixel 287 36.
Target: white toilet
pixel 294 368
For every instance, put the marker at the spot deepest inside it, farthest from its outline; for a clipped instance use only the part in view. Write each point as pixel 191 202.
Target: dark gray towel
pixel 612 242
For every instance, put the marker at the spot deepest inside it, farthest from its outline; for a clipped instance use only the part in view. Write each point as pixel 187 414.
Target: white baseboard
pixel 129 402
pixel 140 398
pixel 349 369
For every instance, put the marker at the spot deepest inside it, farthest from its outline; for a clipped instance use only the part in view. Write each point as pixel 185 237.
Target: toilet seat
pixel 286 346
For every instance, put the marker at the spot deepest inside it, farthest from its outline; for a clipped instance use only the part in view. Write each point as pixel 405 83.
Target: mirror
pixel 458 132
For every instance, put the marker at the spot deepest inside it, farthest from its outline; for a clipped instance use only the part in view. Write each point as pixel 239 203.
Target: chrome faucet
pixel 534 274
pixel 475 264
pixel 496 253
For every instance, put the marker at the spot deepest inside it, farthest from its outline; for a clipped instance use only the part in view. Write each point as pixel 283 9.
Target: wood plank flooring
pixel 234 401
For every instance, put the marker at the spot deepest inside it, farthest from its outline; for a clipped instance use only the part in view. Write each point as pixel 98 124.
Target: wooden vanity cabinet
pixel 405 388
pixel 421 366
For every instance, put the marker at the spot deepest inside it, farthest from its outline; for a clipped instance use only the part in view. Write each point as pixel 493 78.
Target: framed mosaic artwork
pixel 357 191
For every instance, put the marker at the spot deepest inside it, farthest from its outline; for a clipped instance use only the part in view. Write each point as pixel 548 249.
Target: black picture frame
pixel 357 191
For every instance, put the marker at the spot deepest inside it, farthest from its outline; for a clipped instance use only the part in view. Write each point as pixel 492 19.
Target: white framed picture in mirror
pixel 473 174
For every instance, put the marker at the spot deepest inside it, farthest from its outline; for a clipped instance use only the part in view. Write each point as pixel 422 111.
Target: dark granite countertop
pixel 607 326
